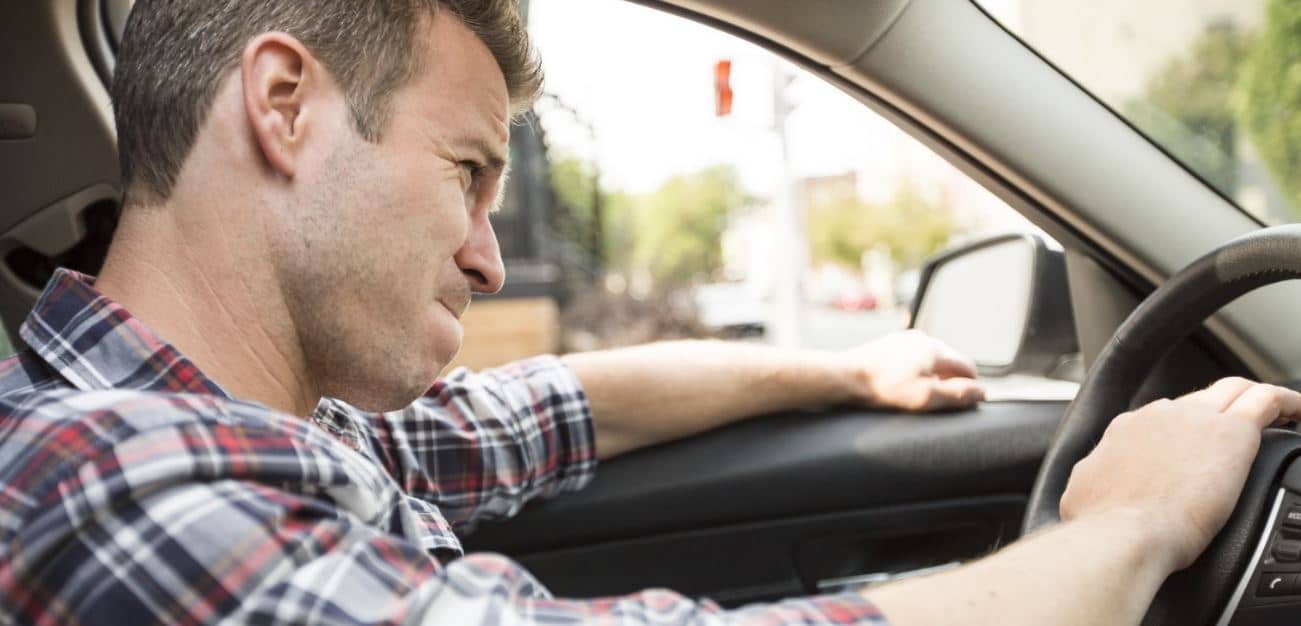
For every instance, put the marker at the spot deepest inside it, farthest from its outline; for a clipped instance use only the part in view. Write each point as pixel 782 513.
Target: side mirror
pixel 1001 301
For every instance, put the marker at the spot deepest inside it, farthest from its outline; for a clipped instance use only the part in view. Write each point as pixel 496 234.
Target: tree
pixel 619 219
pixel 1188 106
pixel 910 225
pixel 575 183
pixel 679 227
pixel 1270 96
pixel 842 229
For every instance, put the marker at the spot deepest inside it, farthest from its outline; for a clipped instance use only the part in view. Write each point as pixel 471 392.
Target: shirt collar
pixel 95 344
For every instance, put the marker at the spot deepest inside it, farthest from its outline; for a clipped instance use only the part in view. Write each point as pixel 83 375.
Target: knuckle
pixel 1122 422
pixel 1066 508
pixel 1073 498
pixel 1080 471
pixel 1233 382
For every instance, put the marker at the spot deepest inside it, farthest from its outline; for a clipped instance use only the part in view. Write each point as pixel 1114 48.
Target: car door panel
pixel 744 563
pixel 771 507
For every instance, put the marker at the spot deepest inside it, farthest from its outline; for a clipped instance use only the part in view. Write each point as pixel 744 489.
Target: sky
pixel 644 82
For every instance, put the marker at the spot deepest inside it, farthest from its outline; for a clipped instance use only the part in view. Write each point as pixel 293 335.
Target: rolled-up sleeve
pixel 481 445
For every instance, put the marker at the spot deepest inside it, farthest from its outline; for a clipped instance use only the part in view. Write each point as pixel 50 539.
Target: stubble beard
pixel 348 324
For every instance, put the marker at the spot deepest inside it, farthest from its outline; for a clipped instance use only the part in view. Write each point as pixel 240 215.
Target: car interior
pixel 814 502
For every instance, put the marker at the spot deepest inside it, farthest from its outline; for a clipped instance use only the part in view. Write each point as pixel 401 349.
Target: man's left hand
pixel 912 371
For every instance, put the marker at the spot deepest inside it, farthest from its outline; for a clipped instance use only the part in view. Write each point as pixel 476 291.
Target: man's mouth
pixel 451 310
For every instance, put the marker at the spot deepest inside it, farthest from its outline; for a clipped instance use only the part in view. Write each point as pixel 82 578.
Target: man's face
pixel 385 242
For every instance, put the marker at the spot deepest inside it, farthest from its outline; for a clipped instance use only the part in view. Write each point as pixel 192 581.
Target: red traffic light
pixel 723 88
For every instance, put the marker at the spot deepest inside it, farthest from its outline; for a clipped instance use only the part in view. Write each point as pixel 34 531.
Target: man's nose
pixel 480 259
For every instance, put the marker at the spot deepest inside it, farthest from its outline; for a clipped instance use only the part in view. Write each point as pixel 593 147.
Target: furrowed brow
pixel 491 157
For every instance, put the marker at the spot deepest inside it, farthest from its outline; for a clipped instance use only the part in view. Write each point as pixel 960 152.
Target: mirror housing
pixel 1002 301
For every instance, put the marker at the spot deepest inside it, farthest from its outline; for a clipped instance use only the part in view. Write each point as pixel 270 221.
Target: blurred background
pixel 678 182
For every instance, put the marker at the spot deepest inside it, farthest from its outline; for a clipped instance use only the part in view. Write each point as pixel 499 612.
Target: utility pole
pixel 788 217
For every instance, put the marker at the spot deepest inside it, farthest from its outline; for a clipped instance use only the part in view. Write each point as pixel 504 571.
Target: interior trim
pixel 1241 589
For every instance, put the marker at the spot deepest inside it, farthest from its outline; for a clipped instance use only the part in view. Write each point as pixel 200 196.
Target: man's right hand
pixel 1179 465
pixel 1144 503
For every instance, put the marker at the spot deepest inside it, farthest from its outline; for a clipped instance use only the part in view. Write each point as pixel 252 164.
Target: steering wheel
pixel 1244 578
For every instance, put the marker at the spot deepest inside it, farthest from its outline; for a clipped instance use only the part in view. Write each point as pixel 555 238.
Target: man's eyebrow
pixel 492 158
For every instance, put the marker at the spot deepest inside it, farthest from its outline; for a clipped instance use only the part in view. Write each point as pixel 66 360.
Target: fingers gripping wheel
pixel 1169 315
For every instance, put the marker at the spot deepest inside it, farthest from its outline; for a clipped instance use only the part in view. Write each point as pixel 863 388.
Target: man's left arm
pixel 659 392
pixel 481 445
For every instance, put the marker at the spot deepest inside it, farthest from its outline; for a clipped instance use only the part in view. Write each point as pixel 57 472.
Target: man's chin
pixel 391 399
pixel 447 345
pixel 425 357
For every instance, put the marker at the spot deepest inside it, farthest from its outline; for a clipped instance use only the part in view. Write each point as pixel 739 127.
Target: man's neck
pixel 199 279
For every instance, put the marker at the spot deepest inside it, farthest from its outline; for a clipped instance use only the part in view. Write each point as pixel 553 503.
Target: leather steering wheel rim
pixel 1165 318
pixel 1213 585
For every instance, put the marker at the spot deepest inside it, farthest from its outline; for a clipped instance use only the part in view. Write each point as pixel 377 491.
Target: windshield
pixel 1216 83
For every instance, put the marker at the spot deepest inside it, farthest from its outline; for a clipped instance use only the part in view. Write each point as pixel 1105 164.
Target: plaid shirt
pixel 134 490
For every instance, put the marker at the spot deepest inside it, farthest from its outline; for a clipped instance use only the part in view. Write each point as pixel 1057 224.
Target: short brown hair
pixel 175 53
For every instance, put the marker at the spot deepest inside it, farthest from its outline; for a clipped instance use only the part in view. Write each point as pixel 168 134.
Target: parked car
pixel 854 300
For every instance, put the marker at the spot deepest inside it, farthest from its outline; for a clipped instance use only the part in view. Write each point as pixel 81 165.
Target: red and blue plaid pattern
pixel 134 490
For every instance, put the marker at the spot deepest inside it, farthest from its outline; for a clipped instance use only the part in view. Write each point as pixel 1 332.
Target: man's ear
pixel 280 78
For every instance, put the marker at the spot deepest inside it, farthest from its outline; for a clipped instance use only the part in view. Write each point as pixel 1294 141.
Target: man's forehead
pixel 460 78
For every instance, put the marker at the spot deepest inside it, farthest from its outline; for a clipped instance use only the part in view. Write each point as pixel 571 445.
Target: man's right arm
pixel 1144 503
pixel 234 552
pixel 1092 571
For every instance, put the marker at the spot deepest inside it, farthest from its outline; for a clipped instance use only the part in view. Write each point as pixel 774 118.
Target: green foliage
pixel 679 227
pixel 841 229
pixel 910 225
pixel 574 181
pixel 575 184
pixel 1188 106
pixel 620 230
pixel 1270 92
pixel 673 233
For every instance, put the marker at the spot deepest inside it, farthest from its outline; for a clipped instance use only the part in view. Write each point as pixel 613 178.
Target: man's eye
pixel 471 169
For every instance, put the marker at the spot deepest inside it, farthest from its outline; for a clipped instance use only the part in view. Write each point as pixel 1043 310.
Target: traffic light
pixel 723 88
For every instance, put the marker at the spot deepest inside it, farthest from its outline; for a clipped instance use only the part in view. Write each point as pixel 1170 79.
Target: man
pixel 234 421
